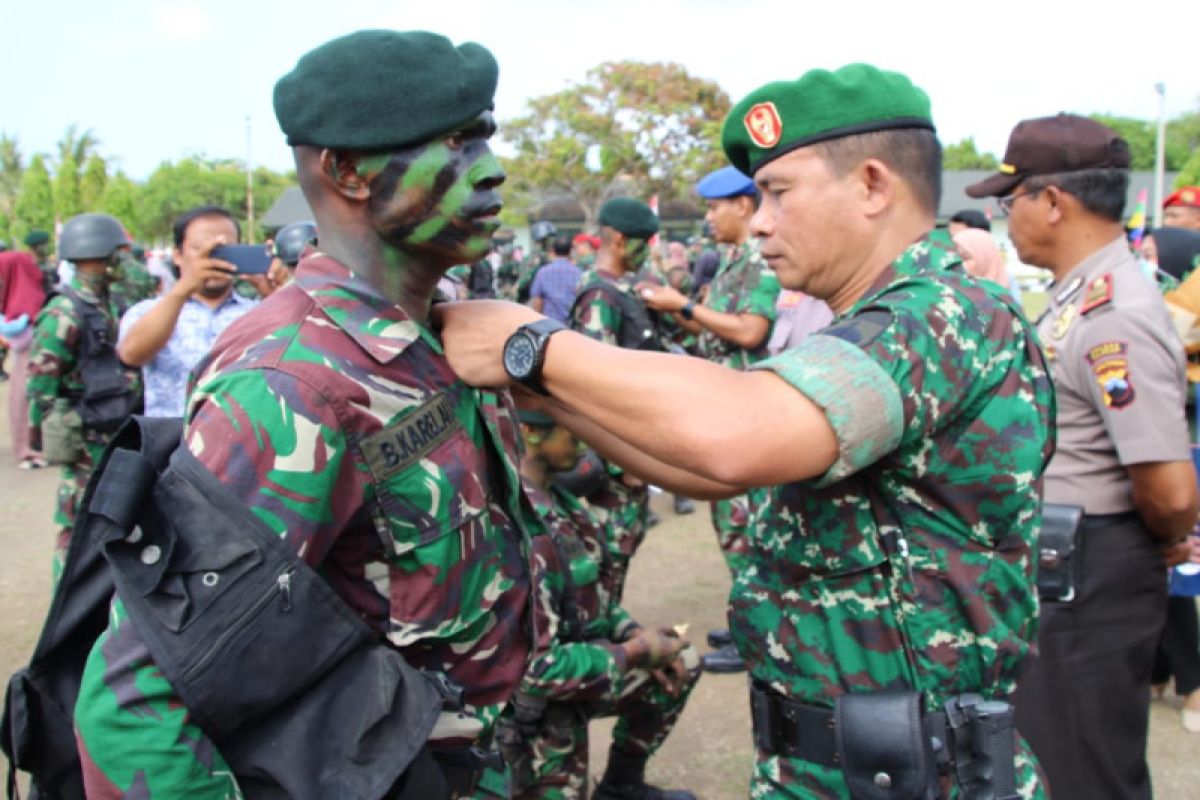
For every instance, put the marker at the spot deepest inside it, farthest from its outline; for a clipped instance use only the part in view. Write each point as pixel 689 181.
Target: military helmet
pixel 542 230
pixel 91 236
pixel 292 239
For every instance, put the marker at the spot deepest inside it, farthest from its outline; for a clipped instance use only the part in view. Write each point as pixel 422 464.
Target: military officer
pixel 1122 454
pixel 592 658
pixel 73 355
pixel 734 324
pixel 1181 209
pixel 332 413
pixel 903 446
pixel 609 309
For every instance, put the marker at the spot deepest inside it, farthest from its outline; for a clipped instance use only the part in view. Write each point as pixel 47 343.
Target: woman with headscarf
pixel 983 259
pixel 1175 250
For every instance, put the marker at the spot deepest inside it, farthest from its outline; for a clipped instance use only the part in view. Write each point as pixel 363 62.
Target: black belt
pixel 785 727
pixel 464 766
pixel 1095 521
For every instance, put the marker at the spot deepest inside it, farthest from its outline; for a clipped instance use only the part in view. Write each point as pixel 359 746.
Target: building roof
pixel 289 207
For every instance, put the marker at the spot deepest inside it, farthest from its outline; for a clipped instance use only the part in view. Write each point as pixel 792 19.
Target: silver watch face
pixel 519 356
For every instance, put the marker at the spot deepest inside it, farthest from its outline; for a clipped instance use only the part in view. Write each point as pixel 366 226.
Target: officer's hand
pixel 474 334
pixel 1178 553
pixel 632 482
pixel 663 646
pixel 671 677
pixel 661 298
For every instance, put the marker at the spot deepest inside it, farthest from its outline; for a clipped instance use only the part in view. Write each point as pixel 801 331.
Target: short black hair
pixel 914 153
pixel 973 219
pixel 1101 191
pixel 562 245
pixel 179 230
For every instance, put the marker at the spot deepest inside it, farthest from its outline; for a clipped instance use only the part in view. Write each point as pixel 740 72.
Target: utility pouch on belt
pixel 883 747
pixel 1057 559
pixel 62 433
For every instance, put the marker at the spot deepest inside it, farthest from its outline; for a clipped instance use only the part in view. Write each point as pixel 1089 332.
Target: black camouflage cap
pixel 381 90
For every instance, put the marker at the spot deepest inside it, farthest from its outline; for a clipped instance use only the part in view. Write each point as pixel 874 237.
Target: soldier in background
pixel 592 658
pixel 1181 209
pixel 542 233
pixel 79 391
pixel 38 243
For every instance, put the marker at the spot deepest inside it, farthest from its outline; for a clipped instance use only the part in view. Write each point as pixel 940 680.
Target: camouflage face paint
pixel 439 197
pixel 636 252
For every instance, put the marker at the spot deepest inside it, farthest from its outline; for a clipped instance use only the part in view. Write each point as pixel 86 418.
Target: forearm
pixel 150 334
pixel 747 331
pixel 729 427
pixel 575 671
pixel 1164 494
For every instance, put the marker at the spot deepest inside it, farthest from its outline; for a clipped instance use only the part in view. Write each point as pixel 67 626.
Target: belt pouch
pixel 1057 561
pixel 881 742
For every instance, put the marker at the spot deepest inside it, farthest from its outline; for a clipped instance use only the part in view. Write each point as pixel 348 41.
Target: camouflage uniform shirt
pixel 943 409
pixel 744 284
pixel 336 418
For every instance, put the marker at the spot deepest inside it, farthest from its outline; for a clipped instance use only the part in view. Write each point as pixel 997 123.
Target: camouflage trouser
pixel 732 518
pixel 552 764
pixel 73 479
pixel 779 778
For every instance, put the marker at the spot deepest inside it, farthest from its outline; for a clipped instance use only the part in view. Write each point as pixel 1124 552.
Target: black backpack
pixel 639 326
pixel 107 399
pixel 296 692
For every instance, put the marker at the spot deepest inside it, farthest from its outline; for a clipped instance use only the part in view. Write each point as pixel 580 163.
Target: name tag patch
pixel 405 442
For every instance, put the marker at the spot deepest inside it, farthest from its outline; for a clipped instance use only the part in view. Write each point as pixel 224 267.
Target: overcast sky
pixel 162 79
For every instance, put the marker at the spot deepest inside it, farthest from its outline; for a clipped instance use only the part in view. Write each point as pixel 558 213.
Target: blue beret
pixel 725 182
pixel 382 90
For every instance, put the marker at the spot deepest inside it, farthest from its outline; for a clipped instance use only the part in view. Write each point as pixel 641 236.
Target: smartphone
pixel 250 259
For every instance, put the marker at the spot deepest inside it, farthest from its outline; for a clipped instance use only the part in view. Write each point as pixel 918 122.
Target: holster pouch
pixel 1057 556
pixel 883 746
pixel 293 688
pixel 62 434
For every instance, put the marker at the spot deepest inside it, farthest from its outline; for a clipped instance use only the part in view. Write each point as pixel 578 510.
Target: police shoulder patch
pixel 1099 293
pixel 1109 362
pixel 861 329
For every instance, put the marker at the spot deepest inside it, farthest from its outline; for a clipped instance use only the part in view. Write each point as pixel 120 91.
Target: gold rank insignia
pixel 1064 320
pixel 1099 293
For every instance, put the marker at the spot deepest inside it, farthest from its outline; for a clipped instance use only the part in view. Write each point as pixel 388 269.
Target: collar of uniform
pixel 376 324
pixel 933 252
pixel 92 288
pixel 1106 259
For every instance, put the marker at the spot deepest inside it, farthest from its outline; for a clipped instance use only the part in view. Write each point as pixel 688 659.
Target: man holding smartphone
pixel 166 336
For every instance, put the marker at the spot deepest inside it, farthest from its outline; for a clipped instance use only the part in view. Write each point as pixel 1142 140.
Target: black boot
pixel 625 779
pixel 724 660
pixel 719 637
pixel 684 505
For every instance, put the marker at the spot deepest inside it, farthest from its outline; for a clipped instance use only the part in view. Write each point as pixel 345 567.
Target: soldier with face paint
pixel 608 309
pixel 333 414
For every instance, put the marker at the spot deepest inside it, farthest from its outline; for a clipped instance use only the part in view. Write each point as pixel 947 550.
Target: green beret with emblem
pixel 631 217
pixel 384 90
pixel 36 238
pixel 783 116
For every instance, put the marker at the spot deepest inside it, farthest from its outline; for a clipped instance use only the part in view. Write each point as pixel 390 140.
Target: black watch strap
pixel 541 330
pixel 688 311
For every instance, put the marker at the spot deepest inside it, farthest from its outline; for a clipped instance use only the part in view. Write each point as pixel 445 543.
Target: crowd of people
pixel 960 542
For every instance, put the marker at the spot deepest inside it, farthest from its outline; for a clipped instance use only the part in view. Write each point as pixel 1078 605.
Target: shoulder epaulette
pixel 1098 294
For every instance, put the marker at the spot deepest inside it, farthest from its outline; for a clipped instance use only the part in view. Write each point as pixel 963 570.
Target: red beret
pixel 581 238
pixel 1185 196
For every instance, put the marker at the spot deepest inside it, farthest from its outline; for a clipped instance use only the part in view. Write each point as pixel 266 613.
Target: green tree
pixel 34 207
pixel 11 169
pixel 67 202
pixel 1189 173
pixel 964 155
pixel 120 200
pixel 1139 133
pixel 77 146
pixel 91 184
pixel 630 127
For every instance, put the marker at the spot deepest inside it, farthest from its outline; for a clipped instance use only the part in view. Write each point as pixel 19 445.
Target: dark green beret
pixel 384 90
pixel 630 217
pixel 36 238
pixel 538 419
pixel 780 117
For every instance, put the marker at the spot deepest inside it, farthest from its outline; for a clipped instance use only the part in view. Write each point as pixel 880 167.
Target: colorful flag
pixel 1137 222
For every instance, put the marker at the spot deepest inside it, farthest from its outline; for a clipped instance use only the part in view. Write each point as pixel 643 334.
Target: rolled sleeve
pixel 859 398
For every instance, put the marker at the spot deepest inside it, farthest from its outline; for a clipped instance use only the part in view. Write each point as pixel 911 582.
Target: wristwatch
pixel 688 311
pixel 525 352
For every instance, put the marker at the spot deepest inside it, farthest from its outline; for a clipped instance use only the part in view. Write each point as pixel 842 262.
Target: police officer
pixel 1122 454
pixel 334 416
pixel 73 362
pixel 734 324
pixel 593 659
pixel 903 446
pixel 609 309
